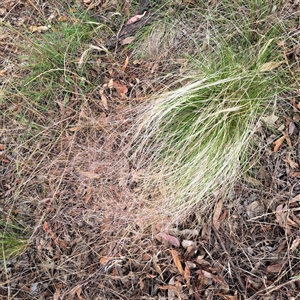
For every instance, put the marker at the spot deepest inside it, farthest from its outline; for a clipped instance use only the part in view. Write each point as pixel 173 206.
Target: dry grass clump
pixel 193 141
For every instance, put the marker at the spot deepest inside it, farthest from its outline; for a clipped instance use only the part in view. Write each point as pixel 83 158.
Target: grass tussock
pixel 194 141
pixel 11 241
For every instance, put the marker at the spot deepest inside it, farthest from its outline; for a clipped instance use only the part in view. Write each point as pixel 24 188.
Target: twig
pixel 270 290
pixel 228 257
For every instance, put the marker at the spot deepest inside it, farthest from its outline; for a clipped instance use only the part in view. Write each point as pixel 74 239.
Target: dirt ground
pixel 80 199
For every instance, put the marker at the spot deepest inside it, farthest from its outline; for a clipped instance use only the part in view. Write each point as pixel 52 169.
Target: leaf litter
pixel 82 246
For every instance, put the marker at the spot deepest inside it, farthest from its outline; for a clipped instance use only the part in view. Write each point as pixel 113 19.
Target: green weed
pixel 12 240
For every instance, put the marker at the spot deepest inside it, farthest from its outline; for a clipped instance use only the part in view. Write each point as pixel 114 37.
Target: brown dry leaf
pixel 177 261
pixel 168 287
pixel 295 199
pixel 281 217
pixel 2 11
pixel 62 19
pixel 254 209
pixel 170 238
pixel 295 174
pixel 110 84
pixel 125 64
pixel 142 284
pixel 146 256
pixel 103 99
pixel 187 275
pixel 88 195
pixel 127 41
pixel 135 18
pixel 157 267
pixel 207 274
pixel 217 214
pixel 1 147
pixel 270 66
pixel 295 244
pixel 48 230
pixel 229 297
pixel 278 143
pixel 252 180
pixel 187 243
pixel 57 293
pixel 90 175
pixel 62 244
pixel 270 120
pixel 291 128
pixel 78 293
pixel 39 29
pixel 104 260
pixel 274 268
pixel 292 164
pixel 121 89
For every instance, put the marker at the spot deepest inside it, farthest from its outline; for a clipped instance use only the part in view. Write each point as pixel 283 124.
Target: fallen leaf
pixel 2 11
pixel 168 287
pixel 187 275
pixel 104 260
pixel 1 147
pixel 217 214
pixel 281 217
pixel 177 261
pixel 270 120
pixel 254 209
pixel 295 244
pixel 142 284
pixel 62 19
pixel 207 274
pixel 110 84
pixel 78 293
pixel 274 268
pixel 292 164
pixel 295 174
pixel 295 199
pixel 48 230
pixel 88 195
pixel 269 66
pixel 251 180
pixel 39 29
pixel 146 257
pixel 291 127
pixel 128 40
pixel 103 99
pixel 171 239
pixel 187 243
pixel 125 64
pixel 157 267
pixel 135 18
pixel 229 297
pixel 121 89
pixel 278 143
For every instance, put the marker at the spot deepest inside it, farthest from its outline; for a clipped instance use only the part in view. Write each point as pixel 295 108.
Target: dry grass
pixel 66 177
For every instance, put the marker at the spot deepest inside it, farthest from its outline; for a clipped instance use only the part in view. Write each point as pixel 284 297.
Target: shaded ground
pixel 78 194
